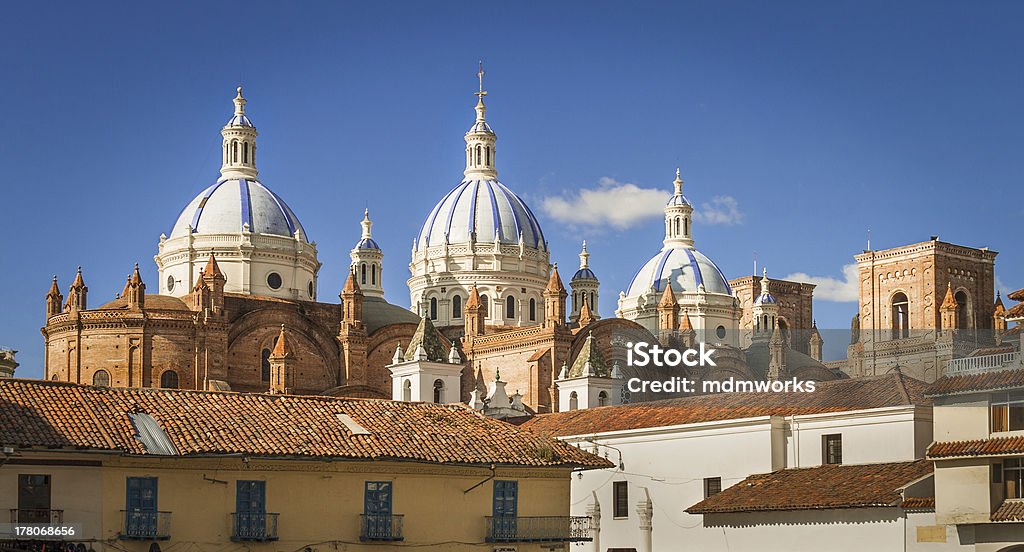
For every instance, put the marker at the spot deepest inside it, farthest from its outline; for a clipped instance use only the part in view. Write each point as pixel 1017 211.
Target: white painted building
pixel 672 454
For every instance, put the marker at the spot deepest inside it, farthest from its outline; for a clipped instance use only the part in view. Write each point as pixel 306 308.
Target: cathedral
pixel 490 320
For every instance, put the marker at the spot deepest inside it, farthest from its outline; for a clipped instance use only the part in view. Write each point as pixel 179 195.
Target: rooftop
pixel 831 396
pixel 818 488
pixel 64 416
pixel 976 381
pixel 976 447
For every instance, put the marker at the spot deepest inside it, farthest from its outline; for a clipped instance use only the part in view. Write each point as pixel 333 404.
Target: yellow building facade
pixel 170 492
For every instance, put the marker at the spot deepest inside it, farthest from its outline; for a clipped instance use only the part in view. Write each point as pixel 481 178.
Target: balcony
pixel 143 525
pixel 984 363
pixel 253 526
pixel 381 527
pixel 538 529
pixel 34 515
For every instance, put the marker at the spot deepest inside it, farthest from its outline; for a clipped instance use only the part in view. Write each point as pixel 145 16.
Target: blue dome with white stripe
pixel 684 268
pixel 678 199
pixel 367 243
pixel 482 208
pixel 228 205
pixel 584 274
pixel 240 120
pixel 765 298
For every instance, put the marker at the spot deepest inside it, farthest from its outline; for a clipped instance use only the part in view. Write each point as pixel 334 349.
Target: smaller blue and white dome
pixel 584 274
pixel 684 268
pixel 765 297
pixel 677 199
pixel 229 205
pixel 367 243
pixel 484 209
pixel 240 120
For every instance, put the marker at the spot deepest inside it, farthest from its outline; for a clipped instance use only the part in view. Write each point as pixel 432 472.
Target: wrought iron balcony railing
pixel 145 525
pixel 381 527
pixel 253 526
pixel 539 529
pixel 36 515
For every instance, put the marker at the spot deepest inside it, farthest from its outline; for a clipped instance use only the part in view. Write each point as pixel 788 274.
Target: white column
pixel 594 511
pixel 645 509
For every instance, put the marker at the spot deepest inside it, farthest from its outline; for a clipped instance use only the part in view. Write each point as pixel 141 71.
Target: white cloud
pixel 832 289
pixel 624 204
pixel 720 210
pixel 620 204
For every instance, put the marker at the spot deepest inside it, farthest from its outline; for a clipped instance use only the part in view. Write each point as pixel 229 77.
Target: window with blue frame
pixel 141 516
pixel 505 509
pixel 377 510
pixel 251 510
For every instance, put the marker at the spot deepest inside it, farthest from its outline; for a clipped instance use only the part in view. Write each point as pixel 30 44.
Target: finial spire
pixel 367 224
pixel 678 183
pixel 584 256
pixel 480 75
pixel 239 102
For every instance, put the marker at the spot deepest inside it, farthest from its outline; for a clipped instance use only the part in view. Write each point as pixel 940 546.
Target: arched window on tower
pixel 487 156
pixel 676 233
pixel 479 157
pixel 407 391
pixel 438 391
pixel 900 316
pixel 457 306
pixel 510 307
pixel 602 398
pixel 101 378
pixel 686 227
pixel 265 365
pixel 593 300
pixel 234 151
pixel 362 271
pixel 574 401
pixel 433 308
pixel 533 310
pixel 169 380
pixel 485 304
pixel 373 274
pixel 245 152
pixel 963 311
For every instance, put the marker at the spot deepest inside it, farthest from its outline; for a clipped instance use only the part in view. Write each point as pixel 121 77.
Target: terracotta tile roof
pixel 1017 295
pixel 1009 510
pixel 67 416
pixel 555 281
pixel 818 488
pixel 830 396
pixel 989 380
pixel 978 447
pixel 918 503
pixel 1015 311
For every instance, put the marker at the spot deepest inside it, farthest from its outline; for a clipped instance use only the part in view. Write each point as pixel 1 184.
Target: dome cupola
pixel 258 240
pixel 480 232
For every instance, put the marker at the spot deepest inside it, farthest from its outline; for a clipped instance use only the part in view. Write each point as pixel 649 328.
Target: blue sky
pixel 798 126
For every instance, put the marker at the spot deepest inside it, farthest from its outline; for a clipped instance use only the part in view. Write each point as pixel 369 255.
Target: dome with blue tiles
pixel 684 268
pixel 765 297
pixel 234 205
pixel 366 241
pixel 584 272
pixel 481 210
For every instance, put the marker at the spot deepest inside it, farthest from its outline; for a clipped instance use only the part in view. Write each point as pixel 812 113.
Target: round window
pixel 309 289
pixel 170 283
pixel 720 332
pixel 274 280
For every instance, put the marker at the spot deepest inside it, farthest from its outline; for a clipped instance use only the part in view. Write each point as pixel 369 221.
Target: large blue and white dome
pixel 684 268
pixel 230 204
pixel 481 208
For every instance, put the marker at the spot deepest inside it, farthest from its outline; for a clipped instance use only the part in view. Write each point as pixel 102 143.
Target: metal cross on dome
pixel 480 75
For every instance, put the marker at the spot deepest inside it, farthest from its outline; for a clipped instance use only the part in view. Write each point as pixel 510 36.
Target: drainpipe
pixel 645 509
